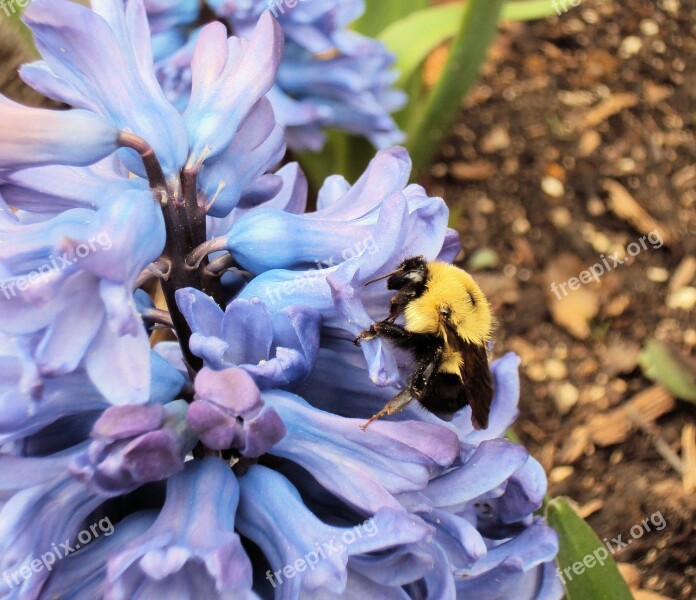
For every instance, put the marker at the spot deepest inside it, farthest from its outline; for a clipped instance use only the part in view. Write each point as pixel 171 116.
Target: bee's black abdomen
pixel 444 394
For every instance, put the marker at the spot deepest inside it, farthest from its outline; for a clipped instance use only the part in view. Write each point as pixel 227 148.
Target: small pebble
pixel 649 27
pixel 555 369
pixel 561 217
pixel 497 139
pixel 596 207
pixel 485 205
pixel 631 46
pixel 590 16
pixel 684 298
pixel 561 473
pixel 520 226
pixel 657 274
pixel 536 372
pixel 565 397
pixel 553 187
pixel 439 170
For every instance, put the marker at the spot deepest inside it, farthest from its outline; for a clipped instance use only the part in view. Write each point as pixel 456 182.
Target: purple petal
pixel 228 412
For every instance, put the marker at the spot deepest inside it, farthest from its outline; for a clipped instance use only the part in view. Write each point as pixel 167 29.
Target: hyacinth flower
pixel 330 77
pixel 230 458
pixel 112 226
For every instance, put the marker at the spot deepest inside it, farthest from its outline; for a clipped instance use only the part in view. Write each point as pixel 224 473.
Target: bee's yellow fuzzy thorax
pixel 451 289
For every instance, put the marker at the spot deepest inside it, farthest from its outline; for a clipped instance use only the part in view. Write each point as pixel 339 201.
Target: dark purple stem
pixel 184 218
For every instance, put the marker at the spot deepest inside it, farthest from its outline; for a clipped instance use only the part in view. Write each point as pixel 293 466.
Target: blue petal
pixel 367 469
pixel 524 492
pixel 278 349
pixel 501 582
pixel 32 137
pixel 489 465
pixel 165 14
pixel 541 583
pixel 229 78
pixel 167 381
pixel 105 55
pixel 48 508
pixel 537 544
pixel 53 189
pixel 238 171
pixel 265 494
pixel 464 542
pixel 119 366
pixel 81 575
pixel 199 557
pixel 343 388
pixel 21 415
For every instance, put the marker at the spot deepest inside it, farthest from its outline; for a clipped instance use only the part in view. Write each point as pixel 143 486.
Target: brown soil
pixel 567 109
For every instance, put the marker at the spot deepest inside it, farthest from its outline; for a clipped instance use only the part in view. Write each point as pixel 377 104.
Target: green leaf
pixel 660 364
pixel 588 570
pixel 380 13
pixel 414 37
pixel 477 28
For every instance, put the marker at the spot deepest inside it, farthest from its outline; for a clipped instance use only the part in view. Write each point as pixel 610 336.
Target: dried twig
pixel 689 457
pixel 659 442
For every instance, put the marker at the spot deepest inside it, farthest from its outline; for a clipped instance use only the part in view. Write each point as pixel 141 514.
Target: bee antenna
pixel 382 277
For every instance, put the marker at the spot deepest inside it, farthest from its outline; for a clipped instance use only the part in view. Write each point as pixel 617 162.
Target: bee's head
pixel 412 271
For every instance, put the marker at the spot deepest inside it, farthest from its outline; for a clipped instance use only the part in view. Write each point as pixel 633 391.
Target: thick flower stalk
pixel 330 77
pixel 226 453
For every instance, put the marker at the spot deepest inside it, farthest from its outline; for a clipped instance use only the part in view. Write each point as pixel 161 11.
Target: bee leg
pixel 388 330
pixel 424 371
pixel 398 304
pixel 417 383
pixel 396 404
pixel 368 334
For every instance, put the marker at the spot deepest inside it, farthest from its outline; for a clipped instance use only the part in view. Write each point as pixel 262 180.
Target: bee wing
pixel 475 374
pixel 478 383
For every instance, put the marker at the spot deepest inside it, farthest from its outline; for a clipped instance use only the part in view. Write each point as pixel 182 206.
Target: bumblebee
pixel 447 325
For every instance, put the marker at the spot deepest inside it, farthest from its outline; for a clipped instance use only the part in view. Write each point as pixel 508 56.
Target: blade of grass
pixel 380 13
pixel 477 29
pixel 415 36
